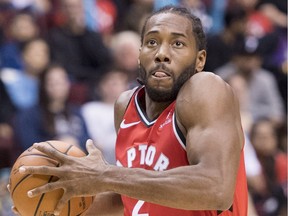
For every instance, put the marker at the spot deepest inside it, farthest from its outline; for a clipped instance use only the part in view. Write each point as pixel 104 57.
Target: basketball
pixel 44 204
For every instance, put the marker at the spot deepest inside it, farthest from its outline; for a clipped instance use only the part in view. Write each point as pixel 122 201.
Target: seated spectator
pixel 8 150
pixel 22 86
pixel 53 117
pixel 125 47
pixel 264 100
pixel 240 87
pixel 99 114
pixel 272 198
pixel 22 28
pixel 223 43
pixel 80 50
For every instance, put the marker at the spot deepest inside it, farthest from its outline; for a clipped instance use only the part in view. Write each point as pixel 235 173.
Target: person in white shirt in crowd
pixel 99 114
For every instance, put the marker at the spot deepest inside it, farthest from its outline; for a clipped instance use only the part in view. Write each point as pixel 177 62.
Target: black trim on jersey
pixel 178 131
pixel 230 209
pixel 142 114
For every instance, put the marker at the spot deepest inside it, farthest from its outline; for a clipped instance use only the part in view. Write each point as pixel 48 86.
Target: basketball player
pixel 180 144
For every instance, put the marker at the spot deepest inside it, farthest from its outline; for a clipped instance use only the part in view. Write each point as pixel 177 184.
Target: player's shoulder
pixel 124 98
pixel 204 87
pixel 204 83
pixel 121 105
pixel 206 77
pixel 204 95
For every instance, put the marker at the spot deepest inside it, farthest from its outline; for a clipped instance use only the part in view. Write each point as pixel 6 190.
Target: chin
pixel 160 94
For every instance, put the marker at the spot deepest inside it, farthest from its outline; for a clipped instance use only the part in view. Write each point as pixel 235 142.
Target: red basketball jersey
pixel 159 145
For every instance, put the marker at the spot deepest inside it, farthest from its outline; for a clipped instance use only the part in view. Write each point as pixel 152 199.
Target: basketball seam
pixel 69 203
pixel 58 150
pixel 42 196
pixel 25 177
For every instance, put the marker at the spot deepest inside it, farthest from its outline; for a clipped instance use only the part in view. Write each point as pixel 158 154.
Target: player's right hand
pixel 76 175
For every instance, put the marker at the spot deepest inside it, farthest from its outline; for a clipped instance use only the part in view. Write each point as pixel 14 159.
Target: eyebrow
pixel 173 33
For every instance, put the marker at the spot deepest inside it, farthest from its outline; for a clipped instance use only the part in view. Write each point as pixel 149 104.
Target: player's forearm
pixel 173 188
pixel 106 204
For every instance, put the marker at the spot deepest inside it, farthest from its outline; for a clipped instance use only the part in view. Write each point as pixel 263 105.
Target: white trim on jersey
pixel 143 117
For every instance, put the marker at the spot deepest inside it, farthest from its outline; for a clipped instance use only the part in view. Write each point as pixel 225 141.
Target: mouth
pixel 161 74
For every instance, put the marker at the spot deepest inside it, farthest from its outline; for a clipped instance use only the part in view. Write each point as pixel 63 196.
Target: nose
pixel 163 56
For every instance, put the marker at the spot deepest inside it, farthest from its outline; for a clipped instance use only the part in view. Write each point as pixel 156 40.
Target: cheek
pixel 146 57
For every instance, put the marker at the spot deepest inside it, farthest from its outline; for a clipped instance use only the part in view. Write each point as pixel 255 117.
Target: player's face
pixel 168 55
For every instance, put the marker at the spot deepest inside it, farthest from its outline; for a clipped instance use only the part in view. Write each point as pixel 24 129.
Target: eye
pixel 178 44
pixel 151 42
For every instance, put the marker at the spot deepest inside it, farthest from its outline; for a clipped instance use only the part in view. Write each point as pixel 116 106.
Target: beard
pixel 159 95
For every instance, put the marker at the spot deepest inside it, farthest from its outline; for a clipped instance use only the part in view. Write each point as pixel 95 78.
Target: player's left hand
pixel 78 176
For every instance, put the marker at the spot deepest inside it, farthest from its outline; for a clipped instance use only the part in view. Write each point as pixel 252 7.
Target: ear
pixel 201 60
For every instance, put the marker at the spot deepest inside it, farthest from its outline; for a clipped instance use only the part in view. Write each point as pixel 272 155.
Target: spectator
pixel 6 12
pixel 22 28
pixel 271 200
pixel 125 47
pixel 240 87
pixel 80 50
pixel 99 114
pixel 270 18
pixel 136 14
pixel 22 86
pixel 8 150
pixel 223 43
pixel 53 117
pixel 252 164
pixel 264 97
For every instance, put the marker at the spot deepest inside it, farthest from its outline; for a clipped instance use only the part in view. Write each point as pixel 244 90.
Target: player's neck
pixel 153 109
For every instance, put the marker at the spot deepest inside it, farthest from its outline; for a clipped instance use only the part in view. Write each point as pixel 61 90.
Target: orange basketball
pixel 43 205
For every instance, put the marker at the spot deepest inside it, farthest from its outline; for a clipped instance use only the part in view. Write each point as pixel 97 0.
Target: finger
pixel 90 146
pixel 41 170
pixel 15 211
pixel 93 150
pixel 61 203
pixel 48 149
pixel 44 189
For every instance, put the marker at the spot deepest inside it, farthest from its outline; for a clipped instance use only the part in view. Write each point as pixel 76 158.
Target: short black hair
pixel 197 27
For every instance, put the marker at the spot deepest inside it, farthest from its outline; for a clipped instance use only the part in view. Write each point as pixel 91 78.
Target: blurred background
pixel 63 63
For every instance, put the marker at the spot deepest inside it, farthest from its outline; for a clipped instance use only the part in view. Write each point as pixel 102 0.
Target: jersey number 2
pixel 137 208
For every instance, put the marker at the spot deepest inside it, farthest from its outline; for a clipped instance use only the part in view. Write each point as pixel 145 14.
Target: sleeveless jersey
pixel 159 145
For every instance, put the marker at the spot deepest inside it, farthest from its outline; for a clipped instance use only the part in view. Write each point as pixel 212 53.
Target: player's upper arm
pixel 208 113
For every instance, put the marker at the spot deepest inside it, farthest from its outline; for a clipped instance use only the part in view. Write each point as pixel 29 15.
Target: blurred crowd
pixel 63 63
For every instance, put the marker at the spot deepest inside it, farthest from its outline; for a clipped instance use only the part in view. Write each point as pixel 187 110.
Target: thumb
pixel 90 147
pixel 93 150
